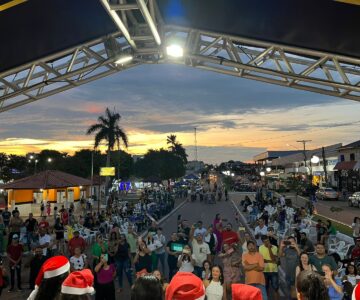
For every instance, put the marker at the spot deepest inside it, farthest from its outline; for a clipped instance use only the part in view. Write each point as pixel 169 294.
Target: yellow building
pixel 48 186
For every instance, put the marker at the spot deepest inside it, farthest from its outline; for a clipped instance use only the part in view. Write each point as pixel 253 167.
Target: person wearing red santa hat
pixel 78 286
pixel 241 291
pixel 356 293
pixel 185 286
pixel 48 282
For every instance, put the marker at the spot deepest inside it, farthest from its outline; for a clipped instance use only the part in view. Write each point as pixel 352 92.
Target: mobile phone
pixel 287 243
pixel 241 228
pixel 176 247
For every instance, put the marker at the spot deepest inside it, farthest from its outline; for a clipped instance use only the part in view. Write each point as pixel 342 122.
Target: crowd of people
pixel 216 261
pixel 282 238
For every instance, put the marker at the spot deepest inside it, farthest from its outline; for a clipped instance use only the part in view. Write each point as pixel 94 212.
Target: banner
pixel 108 171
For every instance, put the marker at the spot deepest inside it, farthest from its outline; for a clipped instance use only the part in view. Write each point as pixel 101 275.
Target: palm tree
pixel 176 147
pixel 171 139
pixel 107 129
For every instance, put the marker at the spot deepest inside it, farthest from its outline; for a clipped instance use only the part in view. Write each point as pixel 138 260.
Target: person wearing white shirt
pixel 160 239
pixel 201 251
pixel 44 241
pixel 200 229
pixel 186 260
pixel 260 230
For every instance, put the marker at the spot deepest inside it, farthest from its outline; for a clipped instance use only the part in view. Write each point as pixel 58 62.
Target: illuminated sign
pixel 109 171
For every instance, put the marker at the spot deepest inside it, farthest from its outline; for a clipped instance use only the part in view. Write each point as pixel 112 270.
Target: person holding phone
pixel 173 253
pixel 142 258
pixel 231 264
pixel 185 260
pixel 105 274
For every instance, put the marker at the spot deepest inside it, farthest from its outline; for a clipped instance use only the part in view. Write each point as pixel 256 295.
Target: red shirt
pixel 355 253
pixel 76 242
pixel 14 252
pixel 229 237
pixel 44 224
pixel 65 218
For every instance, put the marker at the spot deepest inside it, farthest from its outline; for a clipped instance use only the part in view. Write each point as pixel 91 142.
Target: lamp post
pixel 31 158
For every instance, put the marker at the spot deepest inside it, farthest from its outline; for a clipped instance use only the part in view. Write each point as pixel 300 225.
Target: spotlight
pixel 175 51
pixel 123 59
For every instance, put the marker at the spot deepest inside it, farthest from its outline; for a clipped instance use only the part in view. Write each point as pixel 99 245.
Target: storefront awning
pixel 345 165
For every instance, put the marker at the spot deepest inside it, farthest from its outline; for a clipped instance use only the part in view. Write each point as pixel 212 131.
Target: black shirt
pixel 30 225
pixel 123 251
pixel 144 263
pixel 59 235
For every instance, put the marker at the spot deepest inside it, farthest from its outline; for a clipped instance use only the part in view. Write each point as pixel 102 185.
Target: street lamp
pixel 49 159
pixel 35 162
pixel 268 169
pixel 315 159
pixel 262 173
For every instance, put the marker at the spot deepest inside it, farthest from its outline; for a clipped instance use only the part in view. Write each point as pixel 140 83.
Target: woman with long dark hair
pixel 48 282
pixel 142 258
pixel 304 264
pixel 311 286
pixel 113 244
pixel 147 287
pixel 105 274
pixel 215 287
pixel 351 274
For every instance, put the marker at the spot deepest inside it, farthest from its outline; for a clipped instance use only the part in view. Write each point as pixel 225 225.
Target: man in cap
pixel 201 251
pixel 14 253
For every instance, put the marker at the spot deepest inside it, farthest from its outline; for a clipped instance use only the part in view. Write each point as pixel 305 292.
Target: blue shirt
pixel 333 294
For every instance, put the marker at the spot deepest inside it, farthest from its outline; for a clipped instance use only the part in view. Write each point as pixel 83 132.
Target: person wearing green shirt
pixel 100 247
pixel 320 258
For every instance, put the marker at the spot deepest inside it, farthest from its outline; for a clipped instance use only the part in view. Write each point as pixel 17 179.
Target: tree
pixel 161 164
pixel 107 129
pixel 176 147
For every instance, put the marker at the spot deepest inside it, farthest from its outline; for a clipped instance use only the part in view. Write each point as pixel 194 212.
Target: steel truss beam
pixel 87 62
pixel 302 69
pixel 298 68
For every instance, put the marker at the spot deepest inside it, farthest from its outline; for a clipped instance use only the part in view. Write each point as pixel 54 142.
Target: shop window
pixel 352 156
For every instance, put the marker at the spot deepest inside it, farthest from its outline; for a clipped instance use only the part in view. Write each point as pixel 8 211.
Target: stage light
pixel 175 50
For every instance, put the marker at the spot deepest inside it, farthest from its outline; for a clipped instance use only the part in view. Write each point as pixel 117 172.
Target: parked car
pixel 327 194
pixel 354 199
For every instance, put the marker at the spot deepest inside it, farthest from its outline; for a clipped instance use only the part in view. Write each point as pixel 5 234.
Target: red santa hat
pixel 356 293
pixel 185 286
pixel 54 266
pixel 244 292
pixel 78 283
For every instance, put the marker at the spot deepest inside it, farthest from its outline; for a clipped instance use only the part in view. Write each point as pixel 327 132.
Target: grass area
pixel 345 229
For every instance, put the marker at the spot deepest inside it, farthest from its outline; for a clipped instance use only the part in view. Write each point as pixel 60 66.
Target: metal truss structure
pixel 143 34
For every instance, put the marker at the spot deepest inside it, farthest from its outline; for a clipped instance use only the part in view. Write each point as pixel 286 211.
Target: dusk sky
pixel 236 118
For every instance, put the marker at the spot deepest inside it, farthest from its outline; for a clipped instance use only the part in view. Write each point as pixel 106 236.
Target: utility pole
pixel 324 165
pixel 304 144
pixel 196 154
